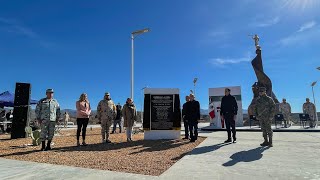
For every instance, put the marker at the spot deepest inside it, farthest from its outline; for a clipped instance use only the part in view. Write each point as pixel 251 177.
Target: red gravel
pixel 140 156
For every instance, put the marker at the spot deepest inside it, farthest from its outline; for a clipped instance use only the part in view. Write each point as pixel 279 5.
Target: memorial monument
pixel 263 79
pixel 162 114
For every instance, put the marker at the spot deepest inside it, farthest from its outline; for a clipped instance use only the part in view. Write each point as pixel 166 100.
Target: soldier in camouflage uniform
pixel 106 113
pixel 265 110
pixel 285 109
pixel 309 108
pixel 47 113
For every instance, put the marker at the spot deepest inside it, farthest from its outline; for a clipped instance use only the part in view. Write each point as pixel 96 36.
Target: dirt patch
pixel 140 156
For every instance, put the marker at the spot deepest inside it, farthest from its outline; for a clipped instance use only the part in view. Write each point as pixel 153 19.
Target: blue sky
pixel 85 46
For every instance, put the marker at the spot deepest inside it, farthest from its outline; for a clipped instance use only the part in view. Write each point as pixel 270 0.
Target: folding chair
pixel 278 118
pixel 304 118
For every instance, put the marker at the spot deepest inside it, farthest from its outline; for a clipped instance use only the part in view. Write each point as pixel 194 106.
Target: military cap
pixel 49 91
pixel 107 94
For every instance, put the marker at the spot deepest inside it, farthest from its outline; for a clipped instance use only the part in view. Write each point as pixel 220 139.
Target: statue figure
pixel 256 41
pixel 263 81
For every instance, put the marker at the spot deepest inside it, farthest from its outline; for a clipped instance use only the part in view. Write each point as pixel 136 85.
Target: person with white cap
pixel 285 109
pixel 106 113
pixel 310 109
pixel 47 113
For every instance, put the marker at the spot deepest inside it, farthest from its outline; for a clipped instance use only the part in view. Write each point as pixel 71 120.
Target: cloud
pixel 221 62
pixel 267 23
pixel 218 33
pixel 306 26
pixel 303 36
pixel 12 26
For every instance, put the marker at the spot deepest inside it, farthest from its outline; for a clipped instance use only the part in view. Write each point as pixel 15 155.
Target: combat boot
pixel 48 148
pixel 270 141
pixel 43 147
pixel 265 143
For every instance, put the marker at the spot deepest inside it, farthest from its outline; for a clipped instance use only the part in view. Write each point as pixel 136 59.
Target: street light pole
pixel 133 35
pixel 132 64
pixel 194 85
pixel 314 101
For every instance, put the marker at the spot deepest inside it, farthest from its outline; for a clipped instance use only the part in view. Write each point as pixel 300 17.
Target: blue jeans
pixel 129 132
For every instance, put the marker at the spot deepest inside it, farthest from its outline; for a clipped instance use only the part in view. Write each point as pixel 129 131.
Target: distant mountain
pixel 204 111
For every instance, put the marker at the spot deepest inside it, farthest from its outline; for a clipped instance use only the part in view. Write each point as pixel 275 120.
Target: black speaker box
pixel 19 122
pixel 22 94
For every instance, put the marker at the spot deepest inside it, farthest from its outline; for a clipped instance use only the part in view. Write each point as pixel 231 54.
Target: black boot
pixel 270 141
pixel 43 147
pixel 265 143
pixel 48 148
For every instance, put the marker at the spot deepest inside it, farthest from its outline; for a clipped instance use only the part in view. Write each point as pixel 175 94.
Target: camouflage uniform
pixel 285 109
pixel 47 112
pixel 106 112
pixel 265 110
pixel 309 108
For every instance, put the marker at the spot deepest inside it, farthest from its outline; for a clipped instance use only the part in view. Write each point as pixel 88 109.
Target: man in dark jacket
pixel 229 110
pixel 184 117
pixel 118 119
pixel 193 116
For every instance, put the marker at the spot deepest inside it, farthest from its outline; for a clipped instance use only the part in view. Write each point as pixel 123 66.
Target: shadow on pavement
pixel 246 156
pixel 203 150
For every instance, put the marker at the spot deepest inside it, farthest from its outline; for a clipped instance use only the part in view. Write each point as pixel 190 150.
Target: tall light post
pixel 194 85
pixel 314 101
pixel 133 36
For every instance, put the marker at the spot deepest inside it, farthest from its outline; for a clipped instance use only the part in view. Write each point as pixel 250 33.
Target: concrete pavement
pixel 294 156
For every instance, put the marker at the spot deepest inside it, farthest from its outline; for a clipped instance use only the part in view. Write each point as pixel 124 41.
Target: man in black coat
pixel 229 110
pixel 193 116
pixel 184 117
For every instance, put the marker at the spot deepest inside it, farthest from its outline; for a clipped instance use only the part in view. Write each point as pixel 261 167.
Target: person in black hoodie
pixel 118 119
pixel 193 116
pixel 184 117
pixel 229 110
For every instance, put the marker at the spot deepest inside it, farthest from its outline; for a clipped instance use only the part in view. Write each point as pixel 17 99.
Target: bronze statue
pixel 263 80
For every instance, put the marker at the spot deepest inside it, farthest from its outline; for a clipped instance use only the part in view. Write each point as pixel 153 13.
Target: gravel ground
pixel 139 156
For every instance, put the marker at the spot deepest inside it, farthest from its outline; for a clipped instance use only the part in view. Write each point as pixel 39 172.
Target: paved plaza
pixel 294 156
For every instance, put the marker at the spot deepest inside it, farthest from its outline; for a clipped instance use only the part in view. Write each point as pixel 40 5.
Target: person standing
pixel 106 113
pixel 2 119
pixel 265 111
pixel 47 113
pixel 129 113
pixel 118 119
pixel 193 116
pixel 9 115
pixel 184 117
pixel 285 110
pixel 310 109
pixel 228 112
pixel 66 118
pixel 83 114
